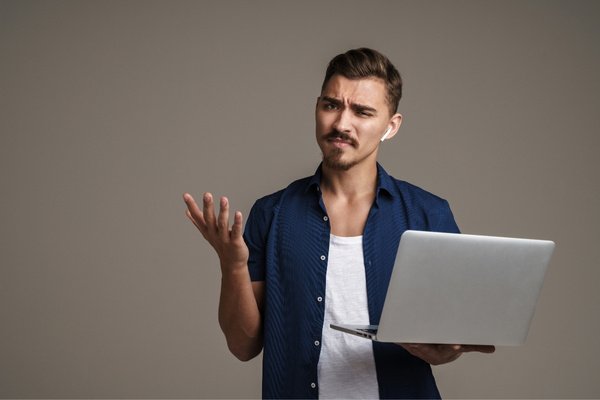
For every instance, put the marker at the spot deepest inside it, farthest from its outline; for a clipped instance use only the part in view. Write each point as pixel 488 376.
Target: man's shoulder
pixel 417 192
pixel 273 200
pixel 425 210
pixel 415 195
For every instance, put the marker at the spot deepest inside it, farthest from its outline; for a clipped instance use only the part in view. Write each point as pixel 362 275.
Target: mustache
pixel 341 135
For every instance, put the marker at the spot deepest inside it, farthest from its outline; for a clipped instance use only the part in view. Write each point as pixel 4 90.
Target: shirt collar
pixel 384 181
pixel 315 181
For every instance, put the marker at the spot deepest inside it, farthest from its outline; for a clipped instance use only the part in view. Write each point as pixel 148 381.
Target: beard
pixel 333 160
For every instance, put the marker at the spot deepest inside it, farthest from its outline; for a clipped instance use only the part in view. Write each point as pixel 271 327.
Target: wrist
pixel 234 269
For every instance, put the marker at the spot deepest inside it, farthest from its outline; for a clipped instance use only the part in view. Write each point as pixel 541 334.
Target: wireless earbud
pixel 385 135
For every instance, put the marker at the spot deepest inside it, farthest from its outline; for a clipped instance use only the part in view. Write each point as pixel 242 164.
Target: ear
pixel 393 126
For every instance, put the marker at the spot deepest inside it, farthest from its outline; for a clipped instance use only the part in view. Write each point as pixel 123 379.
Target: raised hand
pixel 227 242
pixel 239 314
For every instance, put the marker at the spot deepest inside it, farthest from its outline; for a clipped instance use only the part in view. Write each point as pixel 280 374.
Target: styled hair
pixel 367 63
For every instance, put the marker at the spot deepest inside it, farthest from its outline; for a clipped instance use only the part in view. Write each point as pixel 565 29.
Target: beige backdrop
pixel 110 110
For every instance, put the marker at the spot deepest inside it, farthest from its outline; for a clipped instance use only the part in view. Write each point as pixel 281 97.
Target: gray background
pixel 110 110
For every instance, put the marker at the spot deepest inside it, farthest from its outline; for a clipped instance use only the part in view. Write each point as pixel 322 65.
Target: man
pixel 322 251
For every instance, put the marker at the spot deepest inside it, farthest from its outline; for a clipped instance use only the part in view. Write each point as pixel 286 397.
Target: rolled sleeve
pixel 256 235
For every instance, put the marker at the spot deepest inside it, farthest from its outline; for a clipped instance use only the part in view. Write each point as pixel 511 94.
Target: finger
pixel 194 211
pixel 236 229
pixel 208 211
pixel 223 222
pixel 478 348
pixel 189 201
pixel 451 350
pixel 447 353
pixel 189 215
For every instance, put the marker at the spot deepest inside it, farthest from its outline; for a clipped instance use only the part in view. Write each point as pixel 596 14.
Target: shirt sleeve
pixel 256 235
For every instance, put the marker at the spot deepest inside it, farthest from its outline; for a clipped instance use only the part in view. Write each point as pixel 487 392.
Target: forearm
pixel 239 313
pixel 239 306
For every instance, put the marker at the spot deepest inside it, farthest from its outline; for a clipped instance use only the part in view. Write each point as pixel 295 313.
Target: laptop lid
pixel 463 289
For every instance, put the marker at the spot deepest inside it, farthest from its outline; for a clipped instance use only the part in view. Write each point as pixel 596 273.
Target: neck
pixel 356 182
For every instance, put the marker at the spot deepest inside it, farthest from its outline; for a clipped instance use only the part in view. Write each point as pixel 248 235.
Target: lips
pixel 341 142
pixel 340 139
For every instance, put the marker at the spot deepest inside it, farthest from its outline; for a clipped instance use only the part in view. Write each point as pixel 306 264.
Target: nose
pixel 342 122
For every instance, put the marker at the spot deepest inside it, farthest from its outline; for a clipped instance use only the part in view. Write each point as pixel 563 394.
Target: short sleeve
pixel 256 236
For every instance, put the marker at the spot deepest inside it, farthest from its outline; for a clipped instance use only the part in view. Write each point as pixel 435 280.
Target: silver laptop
pixel 460 289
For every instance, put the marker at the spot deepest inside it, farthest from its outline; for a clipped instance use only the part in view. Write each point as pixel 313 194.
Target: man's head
pixel 367 63
pixel 357 108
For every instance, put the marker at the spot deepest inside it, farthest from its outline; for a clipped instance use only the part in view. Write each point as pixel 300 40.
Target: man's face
pixel 351 117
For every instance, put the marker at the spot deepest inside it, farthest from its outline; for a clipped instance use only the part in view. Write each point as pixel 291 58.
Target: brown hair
pixel 365 63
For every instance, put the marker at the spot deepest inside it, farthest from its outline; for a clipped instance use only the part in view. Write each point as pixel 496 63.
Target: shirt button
pixel 326 218
pixel 313 385
pixel 317 343
pixel 323 258
pixel 319 299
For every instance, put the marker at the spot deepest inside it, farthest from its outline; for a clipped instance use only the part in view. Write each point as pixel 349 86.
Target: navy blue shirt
pixel 288 234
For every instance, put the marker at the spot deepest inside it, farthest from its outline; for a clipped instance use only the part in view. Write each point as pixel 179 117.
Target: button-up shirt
pixel 288 234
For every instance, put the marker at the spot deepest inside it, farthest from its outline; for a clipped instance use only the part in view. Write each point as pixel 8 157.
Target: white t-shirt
pixel 346 366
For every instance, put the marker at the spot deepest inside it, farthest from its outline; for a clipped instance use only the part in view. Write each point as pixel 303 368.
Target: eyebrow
pixel 354 106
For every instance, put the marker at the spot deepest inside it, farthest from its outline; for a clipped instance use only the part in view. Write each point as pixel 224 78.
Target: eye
pixel 329 106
